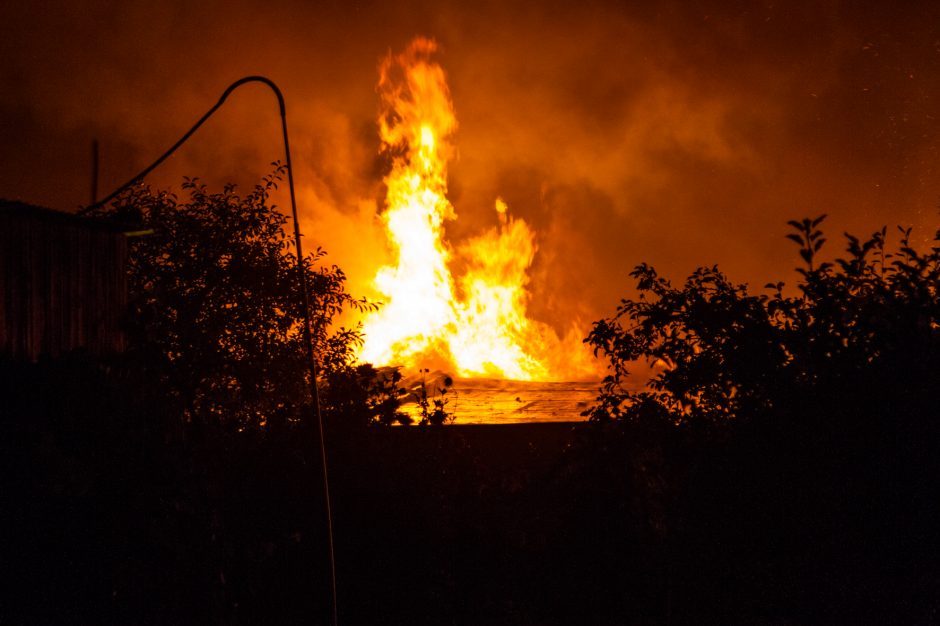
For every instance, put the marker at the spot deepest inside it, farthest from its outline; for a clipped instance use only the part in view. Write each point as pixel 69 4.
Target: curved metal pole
pixel 301 277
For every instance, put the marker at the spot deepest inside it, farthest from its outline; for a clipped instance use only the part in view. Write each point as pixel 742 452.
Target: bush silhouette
pixel 724 354
pixel 795 433
pixel 216 314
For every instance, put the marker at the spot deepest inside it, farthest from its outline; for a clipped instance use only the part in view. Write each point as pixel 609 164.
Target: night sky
pixel 674 133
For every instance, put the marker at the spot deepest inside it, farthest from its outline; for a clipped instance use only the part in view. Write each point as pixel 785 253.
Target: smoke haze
pixel 669 134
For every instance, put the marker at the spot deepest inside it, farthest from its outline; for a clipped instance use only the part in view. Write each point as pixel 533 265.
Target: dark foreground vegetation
pixel 781 467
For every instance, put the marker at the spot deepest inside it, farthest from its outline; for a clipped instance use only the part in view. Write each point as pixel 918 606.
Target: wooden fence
pixel 62 283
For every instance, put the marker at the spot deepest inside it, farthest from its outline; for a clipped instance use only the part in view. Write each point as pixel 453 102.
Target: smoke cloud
pixel 668 134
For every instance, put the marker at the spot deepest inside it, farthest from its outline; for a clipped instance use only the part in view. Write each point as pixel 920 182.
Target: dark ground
pixel 106 519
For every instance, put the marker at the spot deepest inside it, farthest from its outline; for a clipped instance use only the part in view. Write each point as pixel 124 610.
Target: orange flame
pixel 477 324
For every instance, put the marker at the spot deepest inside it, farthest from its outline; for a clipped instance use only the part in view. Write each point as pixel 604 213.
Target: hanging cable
pixel 302 280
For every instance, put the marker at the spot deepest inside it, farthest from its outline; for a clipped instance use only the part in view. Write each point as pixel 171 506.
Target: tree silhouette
pixel 358 395
pixel 793 435
pixel 723 353
pixel 216 315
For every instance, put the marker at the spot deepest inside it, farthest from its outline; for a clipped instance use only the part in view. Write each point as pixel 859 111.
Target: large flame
pixel 476 324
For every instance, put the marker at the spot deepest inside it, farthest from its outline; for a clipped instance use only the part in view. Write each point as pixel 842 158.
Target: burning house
pixel 62 283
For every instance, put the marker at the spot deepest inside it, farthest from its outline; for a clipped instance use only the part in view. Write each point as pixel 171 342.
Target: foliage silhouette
pixel 432 407
pixel 723 353
pixel 216 312
pixel 790 440
pixel 781 468
pixel 361 395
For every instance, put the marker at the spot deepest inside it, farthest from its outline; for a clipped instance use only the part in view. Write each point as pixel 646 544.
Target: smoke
pixel 674 135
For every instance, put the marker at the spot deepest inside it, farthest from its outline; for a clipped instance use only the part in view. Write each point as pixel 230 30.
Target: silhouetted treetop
pixel 217 312
pixel 720 352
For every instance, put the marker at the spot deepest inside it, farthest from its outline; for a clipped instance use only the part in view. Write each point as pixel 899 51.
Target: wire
pixel 302 279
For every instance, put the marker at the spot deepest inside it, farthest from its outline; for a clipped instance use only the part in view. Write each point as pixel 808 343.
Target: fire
pixel 476 324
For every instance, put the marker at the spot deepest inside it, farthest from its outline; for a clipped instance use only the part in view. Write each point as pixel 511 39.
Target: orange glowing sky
pixel 673 134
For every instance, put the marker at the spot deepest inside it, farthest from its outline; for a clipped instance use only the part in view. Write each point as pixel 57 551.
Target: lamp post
pixel 301 278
